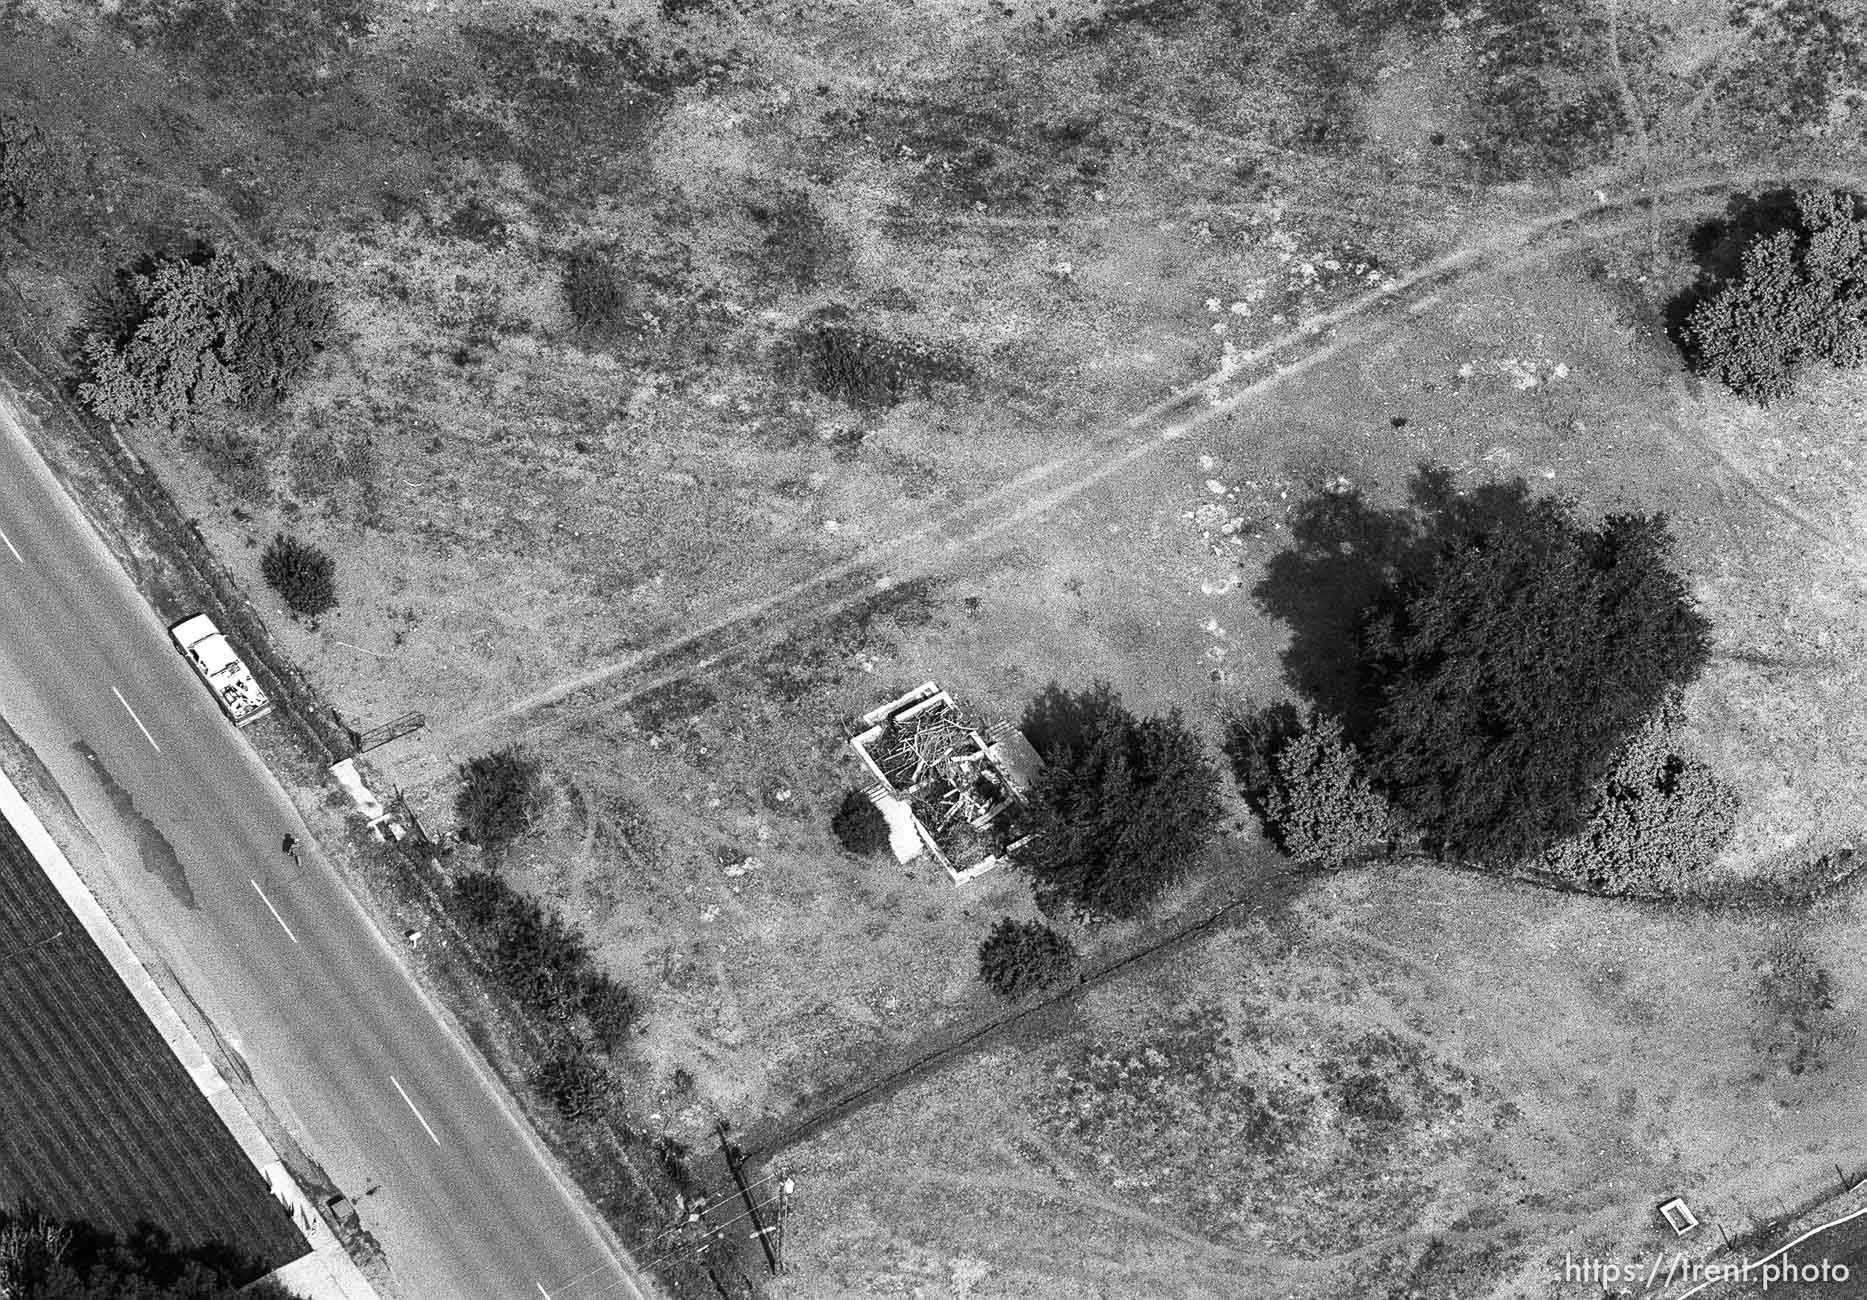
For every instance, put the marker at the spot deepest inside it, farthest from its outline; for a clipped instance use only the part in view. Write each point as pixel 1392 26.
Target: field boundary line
pixel 1270 884
pixel 327 1263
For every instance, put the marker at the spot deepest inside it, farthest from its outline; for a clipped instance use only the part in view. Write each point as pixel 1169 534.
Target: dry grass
pixel 1429 1085
pixel 1089 208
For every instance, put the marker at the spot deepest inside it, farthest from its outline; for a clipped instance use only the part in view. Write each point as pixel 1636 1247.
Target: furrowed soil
pixel 588 534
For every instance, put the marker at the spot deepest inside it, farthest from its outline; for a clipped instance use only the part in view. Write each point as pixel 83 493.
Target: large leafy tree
pixel 45 1258
pixel 1799 298
pixel 1512 667
pixel 1124 806
pixel 166 345
pixel 191 333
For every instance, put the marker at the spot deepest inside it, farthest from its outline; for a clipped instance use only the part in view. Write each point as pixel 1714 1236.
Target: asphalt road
pixel 349 1053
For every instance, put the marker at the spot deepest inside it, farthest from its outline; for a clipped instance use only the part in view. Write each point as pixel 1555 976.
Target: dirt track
pixel 1040 490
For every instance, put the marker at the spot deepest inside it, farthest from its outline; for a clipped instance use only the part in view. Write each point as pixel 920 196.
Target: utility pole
pixel 785 1188
pixel 735 1161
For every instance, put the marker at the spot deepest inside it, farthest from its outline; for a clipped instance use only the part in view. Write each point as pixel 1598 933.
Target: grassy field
pixel 1431 1085
pixel 1137 253
pixel 103 1124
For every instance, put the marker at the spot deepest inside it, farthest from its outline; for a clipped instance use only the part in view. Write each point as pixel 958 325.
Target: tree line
pixel 1507 694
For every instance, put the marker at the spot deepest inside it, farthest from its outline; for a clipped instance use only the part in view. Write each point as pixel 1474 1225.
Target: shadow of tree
pixel 1350 562
pixel 148 1259
pixel 1060 721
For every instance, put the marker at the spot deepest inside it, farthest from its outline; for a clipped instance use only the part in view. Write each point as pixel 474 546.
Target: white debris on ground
pixel 1225 518
pixel 1522 374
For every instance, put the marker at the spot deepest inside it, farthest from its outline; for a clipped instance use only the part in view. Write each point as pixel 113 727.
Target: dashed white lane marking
pixel 417 1114
pixel 275 911
pixel 138 721
pixel 11 547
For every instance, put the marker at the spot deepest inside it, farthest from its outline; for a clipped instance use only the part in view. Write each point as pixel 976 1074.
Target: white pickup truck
pixel 223 670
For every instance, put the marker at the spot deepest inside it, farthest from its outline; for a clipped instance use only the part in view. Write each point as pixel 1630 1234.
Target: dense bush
pixel 500 794
pixel 195 332
pixel 1123 808
pixel 44 1258
pixel 543 962
pixel 575 1082
pixel 612 1010
pixel 304 576
pixel 1799 299
pixel 868 371
pixel 1016 959
pixel 597 295
pixel 1660 819
pixel 279 323
pixel 1313 795
pixel 33 172
pixel 1513 666
pixel 859 825
pixel 163 344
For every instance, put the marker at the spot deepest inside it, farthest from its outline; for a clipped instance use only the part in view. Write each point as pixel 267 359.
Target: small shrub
pixel 478 222
pixel 798 246
pixel 611 1009
pixel 596 294
pixel 575 1082
pixel 859 825
pixel 1016 959
pixel 278 324
pixel 34 172
pixel 1315 799
pixel 1660 820
pixel 480 896
pixel 301 573
pixel 870 372
pixel 232 455
pixel 503 792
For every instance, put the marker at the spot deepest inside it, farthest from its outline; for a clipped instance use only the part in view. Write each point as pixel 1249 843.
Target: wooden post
pixel 734 1162
pixel 784 1204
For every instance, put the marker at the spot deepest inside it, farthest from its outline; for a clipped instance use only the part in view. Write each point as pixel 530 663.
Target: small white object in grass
pixel 1215 487
pixel 1064 268
pixel 1207 462
pixel 1241 309
pixel 831 526
pixel 1212 304
pixel 1561 371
